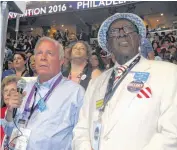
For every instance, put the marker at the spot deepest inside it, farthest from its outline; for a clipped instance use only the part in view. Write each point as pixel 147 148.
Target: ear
pixel 108 47
pixel 61 61
pixel 140 40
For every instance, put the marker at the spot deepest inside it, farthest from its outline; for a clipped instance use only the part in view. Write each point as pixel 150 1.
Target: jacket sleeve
pixel 81 136
pixel 166 135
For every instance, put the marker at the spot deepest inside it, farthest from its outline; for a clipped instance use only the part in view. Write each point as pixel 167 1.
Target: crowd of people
pixel 159 47
pixel 164 46
pixel 58 114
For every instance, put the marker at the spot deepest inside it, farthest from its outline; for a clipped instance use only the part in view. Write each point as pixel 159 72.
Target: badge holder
pixel 97 132
pixel 20 136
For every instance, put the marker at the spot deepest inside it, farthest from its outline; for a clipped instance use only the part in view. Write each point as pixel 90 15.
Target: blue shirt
pixel 52 128
pixel 146 47
pixel 7 73
pixel 12 72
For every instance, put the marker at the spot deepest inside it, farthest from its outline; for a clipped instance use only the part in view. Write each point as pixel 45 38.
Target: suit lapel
pixel 122 98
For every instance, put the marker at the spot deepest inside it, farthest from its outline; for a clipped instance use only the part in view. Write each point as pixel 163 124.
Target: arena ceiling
pixel 149 11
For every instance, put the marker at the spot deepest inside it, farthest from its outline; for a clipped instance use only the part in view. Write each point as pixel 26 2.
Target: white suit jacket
pixel 131 123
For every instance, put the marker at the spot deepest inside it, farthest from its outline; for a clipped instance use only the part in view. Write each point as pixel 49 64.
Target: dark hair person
pixel 19 64
pixel 80 70
pixel 96 62
pixel 31 66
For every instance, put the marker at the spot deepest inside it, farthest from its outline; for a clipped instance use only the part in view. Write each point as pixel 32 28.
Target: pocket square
pixel 145 93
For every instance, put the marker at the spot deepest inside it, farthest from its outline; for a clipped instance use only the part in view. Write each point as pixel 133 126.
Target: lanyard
pixel 110 90
pixel 34 91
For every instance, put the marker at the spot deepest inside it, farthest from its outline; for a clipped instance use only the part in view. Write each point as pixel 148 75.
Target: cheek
pixel 22 62
pixel 72 52
pixel 85 53
pixel 111 44
pixel 6 99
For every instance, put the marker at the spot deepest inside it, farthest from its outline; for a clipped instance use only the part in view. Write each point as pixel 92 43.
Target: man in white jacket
pixel 132 106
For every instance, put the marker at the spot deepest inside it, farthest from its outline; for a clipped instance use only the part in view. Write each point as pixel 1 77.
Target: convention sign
pixel 58 7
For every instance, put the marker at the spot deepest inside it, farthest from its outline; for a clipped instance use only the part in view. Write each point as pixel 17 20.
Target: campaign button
pixel 141 76
pixel 135 86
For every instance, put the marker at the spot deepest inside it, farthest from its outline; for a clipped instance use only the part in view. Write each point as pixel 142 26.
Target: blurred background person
pixel 171 37
pixel 156 48
pixel 96 62
pixel 156 38
pixel 67 54
pixel 19 63
pixel 107 59
pixel 72 39
pixel 165 44
pixel 82 36
pixel 80 70
pixel 173 54
pixel 31 66
pixel 8 64
pixel 28 54
pixel 149 37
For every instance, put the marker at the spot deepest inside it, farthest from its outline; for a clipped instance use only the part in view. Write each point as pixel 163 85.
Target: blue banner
pixel 58 7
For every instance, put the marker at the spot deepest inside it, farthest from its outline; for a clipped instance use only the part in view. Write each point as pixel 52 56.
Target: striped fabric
pixel 119 71
pixel 144 93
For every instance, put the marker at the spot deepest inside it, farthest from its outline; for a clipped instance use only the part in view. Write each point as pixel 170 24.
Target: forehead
pixel 94 56
pixel 48 45
pixel 10 85
pixel 72 35
pixel 79 45
pixel 17 55
pixel 120 23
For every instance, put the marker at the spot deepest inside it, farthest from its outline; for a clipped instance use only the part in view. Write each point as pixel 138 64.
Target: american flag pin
pixel 145 93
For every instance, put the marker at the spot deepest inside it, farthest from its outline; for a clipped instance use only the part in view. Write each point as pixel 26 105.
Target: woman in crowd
pixel 19 62
pixel 31 66
pixel 8 64
pixel 80 70
pixel 8 85
pixel 96 62
pixel 66 64
pixel 171 37
pixel 156 38
pixel 156 48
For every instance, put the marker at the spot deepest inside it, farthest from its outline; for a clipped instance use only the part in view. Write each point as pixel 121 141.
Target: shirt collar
pixel 48 84
pixel 126 64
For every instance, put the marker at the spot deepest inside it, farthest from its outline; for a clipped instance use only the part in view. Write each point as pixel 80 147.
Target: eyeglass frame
pixel 117 31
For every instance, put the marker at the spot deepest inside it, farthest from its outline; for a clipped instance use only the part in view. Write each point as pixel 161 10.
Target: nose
pixel 44 56
pixel 121 33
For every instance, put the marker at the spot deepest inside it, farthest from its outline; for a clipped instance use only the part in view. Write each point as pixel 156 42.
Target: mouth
pixel 124 44
pixel 43 66
pixel 16 63
pixel 77 53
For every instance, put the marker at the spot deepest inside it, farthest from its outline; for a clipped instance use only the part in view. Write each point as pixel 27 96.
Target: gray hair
pixel 57 44
pixel 88 47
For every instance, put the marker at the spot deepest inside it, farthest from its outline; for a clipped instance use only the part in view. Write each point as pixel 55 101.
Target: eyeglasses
pixel 6 92
pixel 115 32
